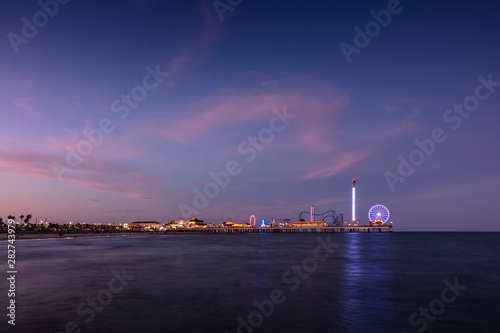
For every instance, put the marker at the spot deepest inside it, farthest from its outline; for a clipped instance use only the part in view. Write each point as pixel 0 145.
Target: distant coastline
pixel 48 235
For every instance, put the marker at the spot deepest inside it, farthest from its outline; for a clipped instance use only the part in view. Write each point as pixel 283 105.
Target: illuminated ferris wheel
pixel 378 212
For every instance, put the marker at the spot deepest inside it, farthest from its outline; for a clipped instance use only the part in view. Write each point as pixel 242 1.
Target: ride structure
pixel 250 222
pixel 378 215
pixel 330 217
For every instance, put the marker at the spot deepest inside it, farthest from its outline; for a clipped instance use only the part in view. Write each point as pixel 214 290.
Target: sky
pixel 141 110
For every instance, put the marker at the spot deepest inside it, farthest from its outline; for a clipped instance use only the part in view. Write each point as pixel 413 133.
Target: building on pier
pixel 147 225
pixel 304 224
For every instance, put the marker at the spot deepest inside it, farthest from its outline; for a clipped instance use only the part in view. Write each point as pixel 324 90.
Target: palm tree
pixel 27 220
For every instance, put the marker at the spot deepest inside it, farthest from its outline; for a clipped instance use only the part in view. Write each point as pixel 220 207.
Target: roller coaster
pixel 336 219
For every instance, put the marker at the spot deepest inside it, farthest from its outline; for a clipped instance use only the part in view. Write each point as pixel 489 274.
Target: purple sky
pixel 348 116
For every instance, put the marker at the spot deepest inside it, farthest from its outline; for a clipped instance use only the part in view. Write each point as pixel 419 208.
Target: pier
pixel 270 230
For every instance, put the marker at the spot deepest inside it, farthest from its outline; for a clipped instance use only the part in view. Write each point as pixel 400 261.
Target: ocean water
pixel 398 282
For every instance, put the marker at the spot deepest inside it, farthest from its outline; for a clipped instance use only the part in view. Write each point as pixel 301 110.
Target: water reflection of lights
pixel 354 271
pixel 365 283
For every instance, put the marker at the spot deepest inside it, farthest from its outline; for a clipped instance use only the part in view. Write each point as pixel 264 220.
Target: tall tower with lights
pixel 353 200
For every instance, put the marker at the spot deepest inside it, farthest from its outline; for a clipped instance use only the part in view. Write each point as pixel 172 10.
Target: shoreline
pixel 66 235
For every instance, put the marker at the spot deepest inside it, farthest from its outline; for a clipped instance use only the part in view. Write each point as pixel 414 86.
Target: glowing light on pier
pixel 353 199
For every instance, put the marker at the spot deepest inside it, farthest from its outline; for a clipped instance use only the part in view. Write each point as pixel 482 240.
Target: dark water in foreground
pixel 203 283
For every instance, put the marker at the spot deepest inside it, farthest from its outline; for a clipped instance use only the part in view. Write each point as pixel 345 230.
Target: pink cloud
pixel 25 163
pixel 106 176
pixel 25 104
pixel 317 109
pixel 351 149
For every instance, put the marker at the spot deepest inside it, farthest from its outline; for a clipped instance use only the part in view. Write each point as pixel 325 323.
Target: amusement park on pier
pixel 308 221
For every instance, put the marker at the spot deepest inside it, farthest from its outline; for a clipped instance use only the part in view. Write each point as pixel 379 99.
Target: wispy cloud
pixel 336 165
pixel 126 179
pixel 25 104
pixel 209 118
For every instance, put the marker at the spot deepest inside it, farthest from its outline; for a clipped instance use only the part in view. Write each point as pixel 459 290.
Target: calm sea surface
pixel 427 282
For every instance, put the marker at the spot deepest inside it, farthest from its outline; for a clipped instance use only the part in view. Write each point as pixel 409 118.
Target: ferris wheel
pixel 378 212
